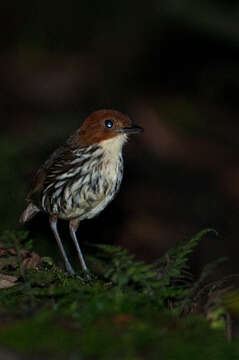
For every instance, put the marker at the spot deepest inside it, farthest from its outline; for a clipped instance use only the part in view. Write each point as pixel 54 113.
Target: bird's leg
pixel 73 226
pixel 53 224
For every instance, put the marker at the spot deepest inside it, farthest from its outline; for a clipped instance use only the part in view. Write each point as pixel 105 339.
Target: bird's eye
pixel 108 123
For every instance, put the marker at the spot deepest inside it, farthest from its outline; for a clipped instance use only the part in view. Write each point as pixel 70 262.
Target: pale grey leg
pixel 53 224
pixel 73 226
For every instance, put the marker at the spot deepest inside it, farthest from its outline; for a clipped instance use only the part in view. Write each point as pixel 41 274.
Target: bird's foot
pixel 87 275
pixel 78 277
pixel 73 275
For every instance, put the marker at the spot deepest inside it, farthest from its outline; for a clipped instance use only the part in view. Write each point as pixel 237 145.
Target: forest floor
pixel 129 310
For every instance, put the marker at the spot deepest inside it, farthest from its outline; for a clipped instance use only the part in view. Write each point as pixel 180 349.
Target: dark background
pixel 173 67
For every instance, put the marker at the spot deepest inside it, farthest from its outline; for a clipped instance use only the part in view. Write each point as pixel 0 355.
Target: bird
pixel 81 177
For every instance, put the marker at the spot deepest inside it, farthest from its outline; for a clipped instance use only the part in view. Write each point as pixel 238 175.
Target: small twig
pixel 228 327
pixel 27 284
pixel 19 258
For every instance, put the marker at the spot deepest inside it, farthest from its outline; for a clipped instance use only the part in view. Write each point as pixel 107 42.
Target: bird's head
pixel 103 125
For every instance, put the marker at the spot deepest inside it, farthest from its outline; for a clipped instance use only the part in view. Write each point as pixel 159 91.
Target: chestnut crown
pixel 102 125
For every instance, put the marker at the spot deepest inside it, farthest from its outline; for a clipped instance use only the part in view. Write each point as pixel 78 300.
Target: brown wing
pixel 56 162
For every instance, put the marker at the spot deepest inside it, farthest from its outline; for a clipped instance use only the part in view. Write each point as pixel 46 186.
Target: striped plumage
pixel 80 178
pixel 78 181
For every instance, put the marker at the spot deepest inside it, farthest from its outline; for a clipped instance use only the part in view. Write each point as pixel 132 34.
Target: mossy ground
pixel 129 310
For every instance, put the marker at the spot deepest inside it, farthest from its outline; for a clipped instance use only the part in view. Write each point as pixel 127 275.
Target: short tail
pixel 30 211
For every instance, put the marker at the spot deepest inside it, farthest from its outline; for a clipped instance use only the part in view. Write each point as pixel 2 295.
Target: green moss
pixel 118 336
pixel 127 312
pixel 39 334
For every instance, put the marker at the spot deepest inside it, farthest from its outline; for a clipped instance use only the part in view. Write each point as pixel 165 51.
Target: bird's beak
pixel 134 129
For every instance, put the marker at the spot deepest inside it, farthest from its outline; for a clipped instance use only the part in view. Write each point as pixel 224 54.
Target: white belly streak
pixel 98 208
pixel 110 170
pixel 112 155
pixel 88 204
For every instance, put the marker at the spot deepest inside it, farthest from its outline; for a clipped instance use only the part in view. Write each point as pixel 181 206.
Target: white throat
pixel 114 145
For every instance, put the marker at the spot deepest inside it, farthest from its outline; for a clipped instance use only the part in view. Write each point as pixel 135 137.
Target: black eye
pixel 108 123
